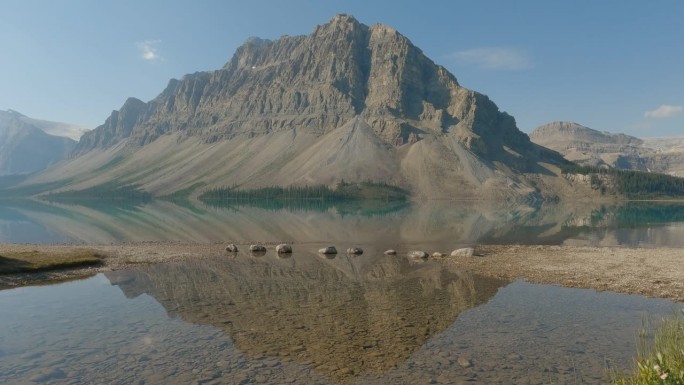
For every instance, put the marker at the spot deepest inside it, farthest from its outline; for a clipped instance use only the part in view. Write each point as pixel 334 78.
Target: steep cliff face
pixel 306 87
pixel 117 127
pixel 25 148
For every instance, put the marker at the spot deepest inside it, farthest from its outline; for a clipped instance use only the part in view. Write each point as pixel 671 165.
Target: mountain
pixel 69 130
pixel 590 147
pixel 25 148
pixel 347 102
pixel 587 146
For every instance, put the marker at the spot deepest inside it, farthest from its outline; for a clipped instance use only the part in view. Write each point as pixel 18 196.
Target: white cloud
pixel 664 111
pixel 494 58
pixel 148 49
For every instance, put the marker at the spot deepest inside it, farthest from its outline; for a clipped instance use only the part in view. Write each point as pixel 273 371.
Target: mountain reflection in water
pixel 435 224
pixel 342 316
pixel 308 319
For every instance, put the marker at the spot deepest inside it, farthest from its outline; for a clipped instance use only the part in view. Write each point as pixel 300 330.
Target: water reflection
pixel 343 316
pixel 434 224
pixel 371 319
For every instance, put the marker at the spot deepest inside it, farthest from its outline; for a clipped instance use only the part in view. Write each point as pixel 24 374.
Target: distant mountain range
pixel 29 145
pixel 347 102
pixel 590 147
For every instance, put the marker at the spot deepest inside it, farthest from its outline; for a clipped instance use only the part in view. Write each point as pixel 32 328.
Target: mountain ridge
pixel 590 147
pixel 426 132
pixel 25 147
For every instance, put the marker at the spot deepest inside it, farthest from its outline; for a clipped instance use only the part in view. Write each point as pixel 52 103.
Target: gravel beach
pixel 653 272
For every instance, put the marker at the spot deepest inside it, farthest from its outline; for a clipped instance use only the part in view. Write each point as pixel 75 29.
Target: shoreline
pixel 652 272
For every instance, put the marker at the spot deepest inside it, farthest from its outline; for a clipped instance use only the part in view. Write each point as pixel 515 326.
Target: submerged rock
pixel 354 251
pixel 328 250
pixel 232 248
pixel 283 248
pixel 464 252
pixel 390 252
pixel 418 254
pixel 464 362
pixel 257 248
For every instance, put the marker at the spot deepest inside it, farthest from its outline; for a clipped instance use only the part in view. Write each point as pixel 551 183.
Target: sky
pixel 612 65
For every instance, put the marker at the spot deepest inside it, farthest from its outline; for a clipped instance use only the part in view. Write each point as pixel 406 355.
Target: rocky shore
pixel 653 272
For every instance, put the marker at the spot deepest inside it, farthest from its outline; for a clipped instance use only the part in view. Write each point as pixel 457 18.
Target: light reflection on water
pixel 371 319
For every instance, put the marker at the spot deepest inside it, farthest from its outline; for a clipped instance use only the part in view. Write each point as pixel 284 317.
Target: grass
pixel 660 361
pixel 39 261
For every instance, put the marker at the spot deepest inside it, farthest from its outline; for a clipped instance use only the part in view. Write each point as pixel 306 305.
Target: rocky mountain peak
pixel 341 21
pixel 305 91
pixel 12 112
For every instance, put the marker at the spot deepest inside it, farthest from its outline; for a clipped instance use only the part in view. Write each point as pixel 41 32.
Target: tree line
pixel 343 192
pixel 631 183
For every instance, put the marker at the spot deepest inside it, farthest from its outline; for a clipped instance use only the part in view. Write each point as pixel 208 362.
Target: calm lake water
pixel 307 319
pixel 442 223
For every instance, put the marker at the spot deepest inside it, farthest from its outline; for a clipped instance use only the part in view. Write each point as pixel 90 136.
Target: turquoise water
pixel 371 319
pixel 630 224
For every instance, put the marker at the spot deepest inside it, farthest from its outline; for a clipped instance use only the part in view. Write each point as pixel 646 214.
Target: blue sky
pixel 611 65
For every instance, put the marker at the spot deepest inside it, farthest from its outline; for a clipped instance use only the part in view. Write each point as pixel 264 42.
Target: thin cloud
pixel 494 58
pixel 664 111
pixel 148 49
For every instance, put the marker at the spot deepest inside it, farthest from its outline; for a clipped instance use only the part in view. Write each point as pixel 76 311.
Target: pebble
pixel 465 362
pixel 418 254
pixel 354 251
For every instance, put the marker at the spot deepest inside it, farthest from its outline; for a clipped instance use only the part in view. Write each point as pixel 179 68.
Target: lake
pixel 432 223
pixel 309 319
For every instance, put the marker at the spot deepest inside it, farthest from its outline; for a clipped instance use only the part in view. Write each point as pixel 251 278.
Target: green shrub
pixel 660 361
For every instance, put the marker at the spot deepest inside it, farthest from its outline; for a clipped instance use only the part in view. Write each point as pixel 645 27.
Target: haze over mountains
pixel 29 145
pixel 590 147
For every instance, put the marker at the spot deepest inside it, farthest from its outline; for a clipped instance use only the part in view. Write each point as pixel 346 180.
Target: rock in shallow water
pixel 257 248
pixel 464 252
pixel 232 248
pixel 328 250
pixel 418 254
pixel 283 248
pixel 465 362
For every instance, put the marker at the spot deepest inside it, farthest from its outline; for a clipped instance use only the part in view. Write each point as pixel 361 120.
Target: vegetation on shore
pixel 660 361
pixel 39 261
pixel 304 197
pixel 630 183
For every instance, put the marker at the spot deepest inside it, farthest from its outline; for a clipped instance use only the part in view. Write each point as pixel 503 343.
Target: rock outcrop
pixel 306 110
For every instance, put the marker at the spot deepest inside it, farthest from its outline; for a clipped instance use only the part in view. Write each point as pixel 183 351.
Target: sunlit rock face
pixel 347 102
